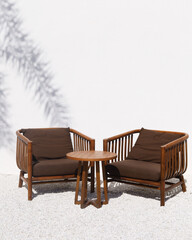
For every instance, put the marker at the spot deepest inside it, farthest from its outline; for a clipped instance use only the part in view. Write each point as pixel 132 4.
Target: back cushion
pixel 148 145
pixel 49 143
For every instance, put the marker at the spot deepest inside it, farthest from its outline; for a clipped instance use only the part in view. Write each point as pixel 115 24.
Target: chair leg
pixel 29 189
pixel 182 183
pixel 162 190
pixel 20 180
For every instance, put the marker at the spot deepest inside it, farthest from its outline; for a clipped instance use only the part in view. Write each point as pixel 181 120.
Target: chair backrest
pixel 148 145
pixel 49 143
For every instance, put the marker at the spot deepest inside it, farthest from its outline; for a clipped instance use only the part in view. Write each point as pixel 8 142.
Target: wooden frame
pixel 173 161
pixel 24 160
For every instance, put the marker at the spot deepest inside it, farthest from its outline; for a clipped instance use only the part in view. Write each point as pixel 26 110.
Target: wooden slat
pixel 115 149
pixel 172 161
pixel 125 149
pixel 89 146
pixel 177 159
pixel 131 141
pixel 119 147
pixel 162 180
pixel 173 186
pixel 17 154
pixel 74 144
pixel 53 177
pixel 26 154
pixel 166 163
pixel 186 160
pixel 112 146
pixel 83 144
pixel 182 157
pixel 183 163
pixel 83 147
pixel 175 162
pixel 138 181
pixel 169 164
pixel 24 179
pixel 55 181
pixel 109 146
pixel 122 148
pixel 29 171
pixel 133 183
pixel 81 140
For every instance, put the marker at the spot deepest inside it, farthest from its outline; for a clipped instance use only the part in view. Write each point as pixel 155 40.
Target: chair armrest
pixel 120 144
pixel 22 137
pixel 81 142
pixel 24 153
pixel 174 158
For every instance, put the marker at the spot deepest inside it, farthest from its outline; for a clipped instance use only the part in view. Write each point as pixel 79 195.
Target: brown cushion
pixel 148 145
pixel 134 169
pixel 49 143
pixel 55 167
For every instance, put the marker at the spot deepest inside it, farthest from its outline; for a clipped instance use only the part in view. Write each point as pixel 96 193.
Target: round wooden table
pixel 94 157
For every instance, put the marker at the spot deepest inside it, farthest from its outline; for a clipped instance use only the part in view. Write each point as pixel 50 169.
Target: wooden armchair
pixel 41 154
pixel 149 160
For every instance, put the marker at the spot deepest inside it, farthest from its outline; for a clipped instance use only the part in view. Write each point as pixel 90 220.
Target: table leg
pixel 84 185
pixel 98 201
pixel 77 184
pixel 92 176
pixel 105 183
pixel 84 202
pixel 86 176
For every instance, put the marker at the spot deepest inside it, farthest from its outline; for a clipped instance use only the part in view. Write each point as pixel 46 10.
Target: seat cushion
pixel 49 143
pixel 134 169
pixel 55 167
pixel 148 145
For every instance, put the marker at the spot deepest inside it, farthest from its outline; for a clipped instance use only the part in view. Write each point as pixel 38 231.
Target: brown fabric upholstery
pixel 148 145
pixel 56 167
pixel 134 169
pixel 49 143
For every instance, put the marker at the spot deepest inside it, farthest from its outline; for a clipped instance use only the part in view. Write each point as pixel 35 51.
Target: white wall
pixel 120 65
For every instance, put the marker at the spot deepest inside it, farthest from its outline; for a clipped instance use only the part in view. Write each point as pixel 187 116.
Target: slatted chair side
pixel 81 142
pixel 121 145
pixel 23 152
pixel 175 160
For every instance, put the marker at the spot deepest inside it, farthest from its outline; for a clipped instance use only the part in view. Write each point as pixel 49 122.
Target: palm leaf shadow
pixel 5 132
pixel 17 48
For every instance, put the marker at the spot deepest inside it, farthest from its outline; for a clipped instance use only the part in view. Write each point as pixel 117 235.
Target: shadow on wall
pixel 5 132
pixel 16 48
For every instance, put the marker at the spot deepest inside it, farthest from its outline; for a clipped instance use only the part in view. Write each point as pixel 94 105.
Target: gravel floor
pixel 132 213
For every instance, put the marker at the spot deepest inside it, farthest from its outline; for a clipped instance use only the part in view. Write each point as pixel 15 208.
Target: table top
pixel 91 155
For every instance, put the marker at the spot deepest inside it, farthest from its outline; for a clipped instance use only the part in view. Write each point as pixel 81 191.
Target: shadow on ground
pixel 138 191
pixel 115 190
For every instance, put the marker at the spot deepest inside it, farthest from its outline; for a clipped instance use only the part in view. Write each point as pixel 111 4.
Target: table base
pixel 84 202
